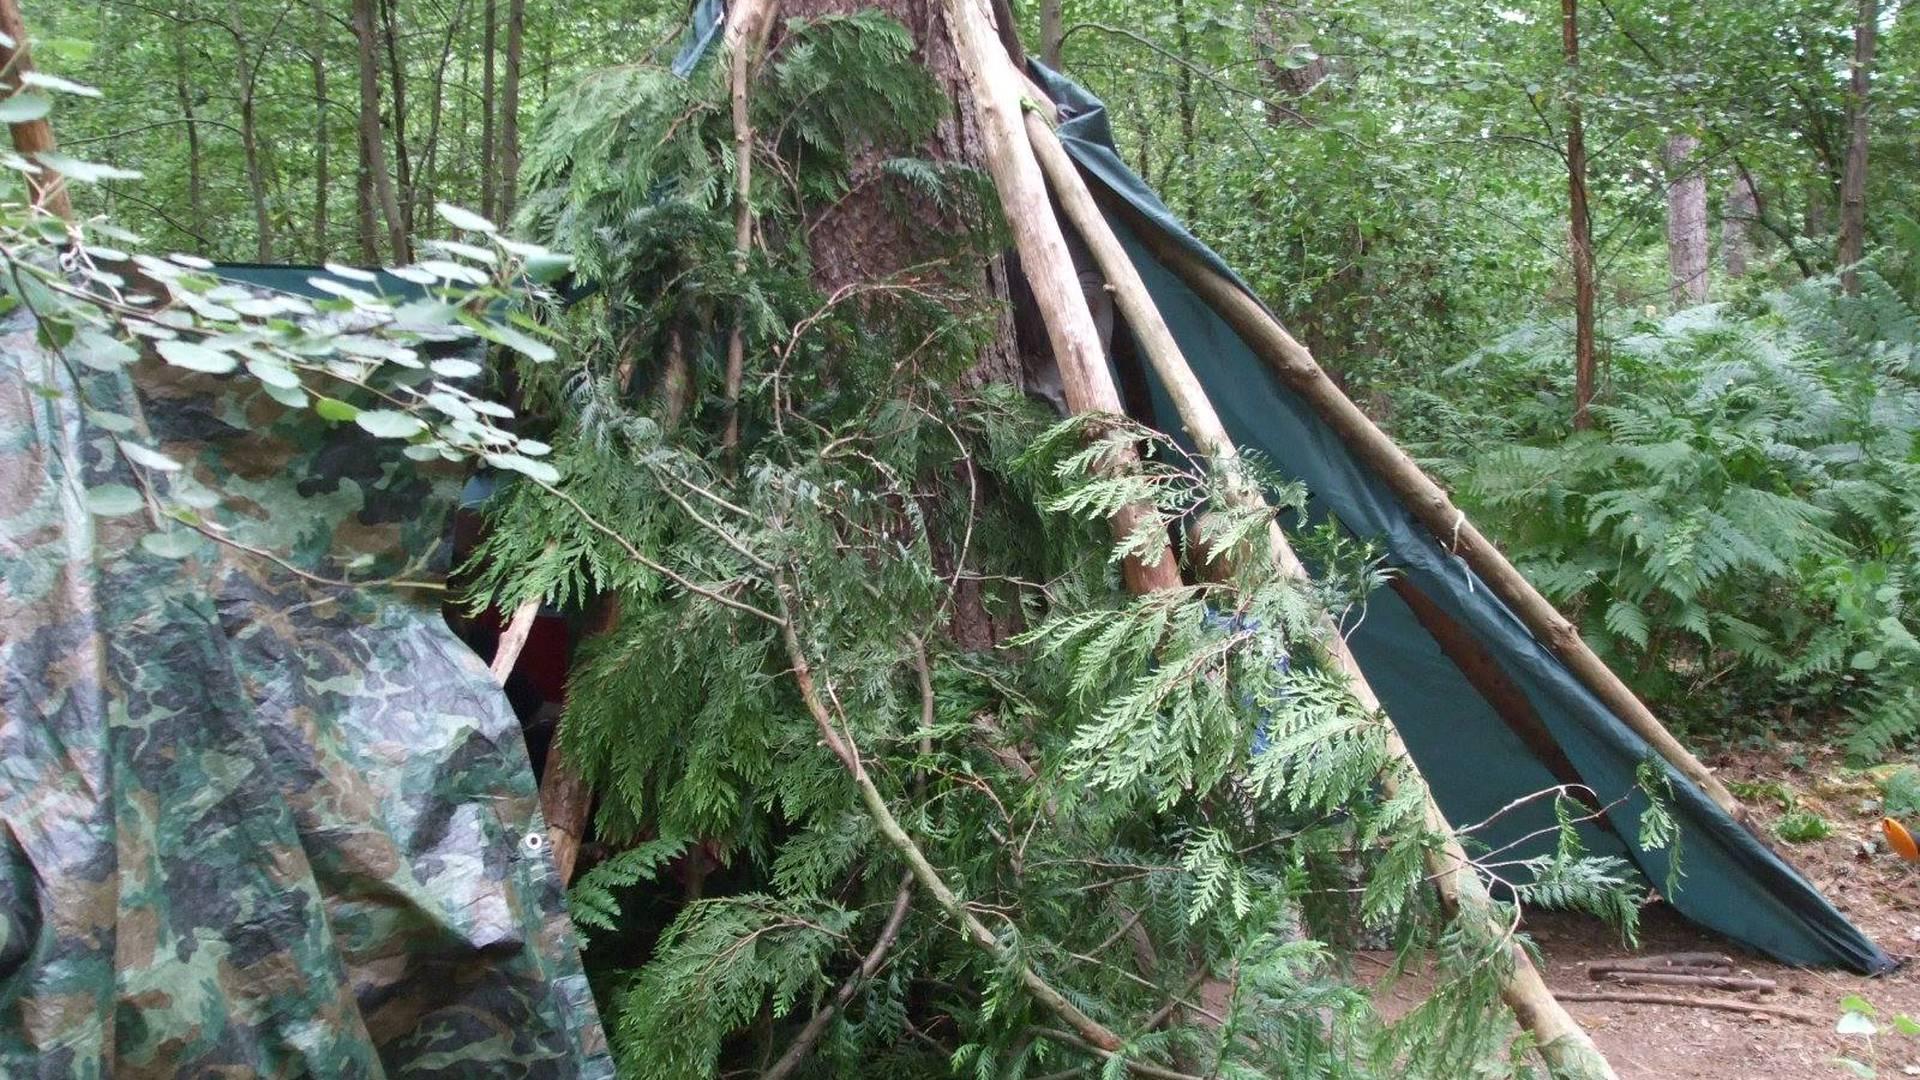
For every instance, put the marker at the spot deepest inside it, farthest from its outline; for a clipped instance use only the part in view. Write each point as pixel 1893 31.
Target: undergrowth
pixel 1740 532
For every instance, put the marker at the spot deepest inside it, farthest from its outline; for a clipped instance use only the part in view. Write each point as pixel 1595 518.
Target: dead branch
pixel 1699 981
pixel 1667 962
pixel 809 1036
pixel 1723 1004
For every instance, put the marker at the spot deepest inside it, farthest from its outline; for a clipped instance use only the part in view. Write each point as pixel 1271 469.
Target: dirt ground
pixel 1877 891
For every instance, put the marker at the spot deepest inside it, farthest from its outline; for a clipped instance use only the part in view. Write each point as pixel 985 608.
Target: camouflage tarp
pixel 252 824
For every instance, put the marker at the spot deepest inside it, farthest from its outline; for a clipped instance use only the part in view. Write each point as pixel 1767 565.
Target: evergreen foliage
pixel 1159 807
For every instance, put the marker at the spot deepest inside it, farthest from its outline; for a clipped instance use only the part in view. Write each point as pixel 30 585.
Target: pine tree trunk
pixel 1183 48
pixel 430 167
pixel 1853 183
pixel 489 174
pixel 321 141
pixel 510 109
pixel 1579 223
pixel 1736 220
pixel 1686 222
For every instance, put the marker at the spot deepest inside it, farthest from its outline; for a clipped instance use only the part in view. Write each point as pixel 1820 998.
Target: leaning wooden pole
pixel 1044 256
pixel 1295 366
pixel 1566 1048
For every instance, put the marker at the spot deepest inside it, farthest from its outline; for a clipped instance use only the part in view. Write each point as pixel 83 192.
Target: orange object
pixel 1900 840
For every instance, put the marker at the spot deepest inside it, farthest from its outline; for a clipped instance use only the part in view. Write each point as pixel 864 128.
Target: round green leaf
pixel 388 424
pixel 465 220
pixel 274 373
pixel 454 367
pixel 292 398
pixel 175 544
pixel 538 470
pixel 334 409
pixel 102 352
pixel 113 500
pixel 196 357
pixel 25 106
pixel 150 459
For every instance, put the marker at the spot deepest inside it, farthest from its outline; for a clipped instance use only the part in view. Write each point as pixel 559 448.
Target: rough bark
pixel 1288 75
pixel 47 189
pixel 1686 222
pixel 1853 181
pixel 1052 32
pixel 1579 223
pixel 317 50
pixel 510 109
pixel 866 237
pixel 489 172
pixel 376 181
pixel 1742 208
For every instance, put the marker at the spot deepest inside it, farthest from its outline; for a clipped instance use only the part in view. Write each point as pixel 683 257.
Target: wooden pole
pixel 565 799
pixel 1563 1044
pixel 47 189
pixel 1296 368
pixel 1044 257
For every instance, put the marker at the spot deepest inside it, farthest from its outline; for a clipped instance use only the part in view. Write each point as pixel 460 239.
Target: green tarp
pixel 252 824
pixel 1475 763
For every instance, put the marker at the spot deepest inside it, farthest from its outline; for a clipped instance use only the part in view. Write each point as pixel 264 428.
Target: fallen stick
pixel 1702 981
pixel 1723 1004
pixel 1689 961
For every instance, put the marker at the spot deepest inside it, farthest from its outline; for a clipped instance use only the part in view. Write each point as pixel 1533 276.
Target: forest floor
pixel 1870 886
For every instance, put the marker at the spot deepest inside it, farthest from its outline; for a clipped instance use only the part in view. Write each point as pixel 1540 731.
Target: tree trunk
pixel 510 109
pixel 376 181
pixel 1686 222
pixel 1287 80
pixel 196 181
pixel 318 50
pixel 1183 47
pixel 1579 223
pixel 1741 210
pixel 47 190
pixel 1052 31
pixel 1853 181
pixel 250 140
pixel 489 173
pixel 397 73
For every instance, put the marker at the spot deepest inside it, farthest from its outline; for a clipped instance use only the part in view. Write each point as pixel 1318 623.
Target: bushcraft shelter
pixel 251 823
